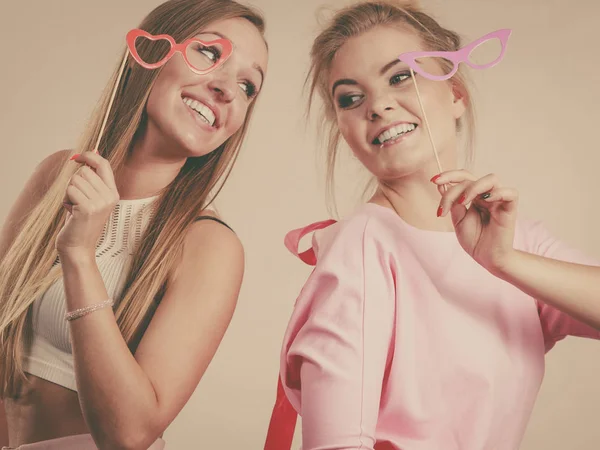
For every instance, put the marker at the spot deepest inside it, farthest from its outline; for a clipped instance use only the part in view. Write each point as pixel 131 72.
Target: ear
pixel 460 99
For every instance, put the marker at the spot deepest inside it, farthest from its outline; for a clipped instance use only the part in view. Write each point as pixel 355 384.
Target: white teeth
pixel 204 111
pixel 396 131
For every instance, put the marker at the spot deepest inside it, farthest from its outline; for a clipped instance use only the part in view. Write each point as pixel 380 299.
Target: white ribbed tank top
pixel 49 355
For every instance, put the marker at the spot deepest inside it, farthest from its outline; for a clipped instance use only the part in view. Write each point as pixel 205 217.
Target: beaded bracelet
pixel 72 315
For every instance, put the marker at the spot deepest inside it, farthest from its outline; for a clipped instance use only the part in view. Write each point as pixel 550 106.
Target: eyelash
pixel 342 98
pixel 250 89
pixel 406 76
pixel 216 53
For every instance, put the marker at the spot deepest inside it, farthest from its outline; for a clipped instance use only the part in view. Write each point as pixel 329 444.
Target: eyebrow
pixel 350 82
pixel 389 65
pixel 255 66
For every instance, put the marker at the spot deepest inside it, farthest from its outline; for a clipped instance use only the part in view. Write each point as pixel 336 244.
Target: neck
pixel 150 166
pixel 415 198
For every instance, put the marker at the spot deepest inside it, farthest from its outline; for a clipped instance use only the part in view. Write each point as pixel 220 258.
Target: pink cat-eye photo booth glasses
pixel 455 57
pixel 458 56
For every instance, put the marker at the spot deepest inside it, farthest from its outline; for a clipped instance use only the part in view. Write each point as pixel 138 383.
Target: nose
pixel 378 106
pixel 224 86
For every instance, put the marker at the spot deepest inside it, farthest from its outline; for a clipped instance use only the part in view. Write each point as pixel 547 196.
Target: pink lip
pixel 208 103
pixel 388 127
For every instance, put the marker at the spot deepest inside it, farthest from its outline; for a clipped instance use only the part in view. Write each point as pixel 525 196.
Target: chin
pixel 197 151
pixel 194 144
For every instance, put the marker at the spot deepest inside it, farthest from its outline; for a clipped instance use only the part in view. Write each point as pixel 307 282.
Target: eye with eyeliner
pixel 345 101
pixel 400 77
pixel 214 52
pixel 250 89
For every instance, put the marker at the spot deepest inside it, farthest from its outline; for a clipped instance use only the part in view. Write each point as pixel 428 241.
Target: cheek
pixel 438 104
pixel 159 89
pixel 348 126
pixel 237 116
pixel 157 104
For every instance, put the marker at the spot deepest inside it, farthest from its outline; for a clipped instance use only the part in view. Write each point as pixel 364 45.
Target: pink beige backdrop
pixel 538 124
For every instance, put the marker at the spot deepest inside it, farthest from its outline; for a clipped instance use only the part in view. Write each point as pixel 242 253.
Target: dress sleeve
pixel 556 325
pixel 342 336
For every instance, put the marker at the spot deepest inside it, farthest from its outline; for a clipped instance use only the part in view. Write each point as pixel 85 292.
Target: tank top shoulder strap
pixel 214 219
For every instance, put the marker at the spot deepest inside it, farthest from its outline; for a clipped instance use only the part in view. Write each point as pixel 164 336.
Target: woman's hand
pixel 483 213
pixel 90 199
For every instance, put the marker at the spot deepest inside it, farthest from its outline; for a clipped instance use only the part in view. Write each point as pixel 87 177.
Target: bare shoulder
pixel 40 180
pixel 45 173
pixel 34 189
pixel 210 242
pixel 47 170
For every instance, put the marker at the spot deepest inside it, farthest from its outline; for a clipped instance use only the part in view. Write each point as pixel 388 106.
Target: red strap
pixel 283 422
pixel 283 418
pixel 292 241
pixel 283 425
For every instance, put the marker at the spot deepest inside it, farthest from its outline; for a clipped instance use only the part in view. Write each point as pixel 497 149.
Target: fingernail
pixel 440 211
pixel 462 199
pixel 75 156
pixel 486 195
pixel 435 178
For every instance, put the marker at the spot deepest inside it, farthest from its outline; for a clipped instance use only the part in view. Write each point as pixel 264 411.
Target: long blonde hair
pixel 353 21
pixel 27 270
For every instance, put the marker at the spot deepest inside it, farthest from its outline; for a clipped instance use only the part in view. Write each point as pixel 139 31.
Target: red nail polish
pixel 435 178
pixel 440 211
pixel 75 156
pixel 462 199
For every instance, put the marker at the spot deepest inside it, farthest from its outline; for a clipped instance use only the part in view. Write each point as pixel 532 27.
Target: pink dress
pixel 399 340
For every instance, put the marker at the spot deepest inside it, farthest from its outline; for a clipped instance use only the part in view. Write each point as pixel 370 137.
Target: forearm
pixel 571 288
pixel 117 398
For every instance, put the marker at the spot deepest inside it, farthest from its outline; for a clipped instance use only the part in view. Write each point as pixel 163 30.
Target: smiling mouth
pixel 204 112
pixel 394 133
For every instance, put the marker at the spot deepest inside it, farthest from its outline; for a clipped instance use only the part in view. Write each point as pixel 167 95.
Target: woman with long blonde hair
pixel 426 319
pixel 114 295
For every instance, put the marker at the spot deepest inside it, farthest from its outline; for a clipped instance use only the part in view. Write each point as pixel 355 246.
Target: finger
pixel 84 186
pixel 94 180
pixel 508 197
pixel 450 197
pixel 453 176
pixel 100 165
pixel 76 197
pixel 481 187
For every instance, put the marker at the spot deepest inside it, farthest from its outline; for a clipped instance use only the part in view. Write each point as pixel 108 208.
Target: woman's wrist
pixel 79 257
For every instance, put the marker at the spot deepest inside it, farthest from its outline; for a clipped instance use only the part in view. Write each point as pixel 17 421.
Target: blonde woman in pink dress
pixel 425 322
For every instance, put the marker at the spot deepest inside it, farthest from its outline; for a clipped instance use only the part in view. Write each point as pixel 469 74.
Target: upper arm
pixel 341 349
pixel 33 191
pixel 556 324
pixel 192 318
